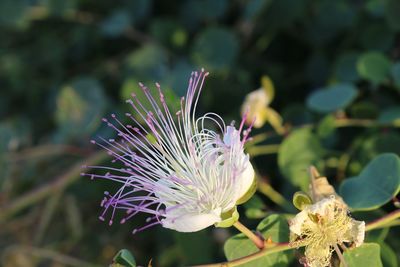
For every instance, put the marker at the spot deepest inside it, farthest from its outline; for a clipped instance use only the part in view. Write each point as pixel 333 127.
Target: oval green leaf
pixel 395 71
pixel 332 98
pixel 298 151
pixel 367 254
pixel 216 49
pixel 375 186
pixel 388 256
pixel 374 66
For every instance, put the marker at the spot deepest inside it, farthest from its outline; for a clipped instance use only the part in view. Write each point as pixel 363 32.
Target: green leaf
pixel 373 66
pixel 326 127
pixel 147 63
pixel 125 258
pixel 255 208
pixel 275 227
pixel 367 254
pixel 375 8
pixel 396 74
pixel 375 186
pixel 80 106
pixel 388 256
pixel 332 98
pixel 116 23
pixel 298 151
pixel 215 49
pixel 12 12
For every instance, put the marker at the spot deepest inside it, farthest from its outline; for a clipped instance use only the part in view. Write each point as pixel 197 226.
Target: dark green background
pixel 66 64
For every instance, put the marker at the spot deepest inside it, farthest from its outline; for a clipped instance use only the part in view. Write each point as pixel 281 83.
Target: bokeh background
pixel 66 64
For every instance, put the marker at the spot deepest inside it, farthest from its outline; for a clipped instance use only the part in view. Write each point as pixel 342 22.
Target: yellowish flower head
pixel 321 226
pixel 255 105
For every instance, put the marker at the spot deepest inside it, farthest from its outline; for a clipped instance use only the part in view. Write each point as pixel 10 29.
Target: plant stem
pixel 51 188
pixel 383 221
pixel 258 138
pixel 263 252
pixel 64 260
pixel 247 232
pixel 266 189
pixel 263 150
pixel 340 255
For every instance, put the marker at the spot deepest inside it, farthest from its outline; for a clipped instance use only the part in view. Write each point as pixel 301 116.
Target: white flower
pixel 186 176
pixel 323 225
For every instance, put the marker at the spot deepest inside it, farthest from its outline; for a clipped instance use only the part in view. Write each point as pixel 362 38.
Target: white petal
pixel 191 222
pixel 245 180
pixel 297 222
pixel 360 232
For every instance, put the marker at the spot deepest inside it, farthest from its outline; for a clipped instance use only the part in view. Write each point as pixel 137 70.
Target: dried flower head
pixel 323 225
pixel 184 175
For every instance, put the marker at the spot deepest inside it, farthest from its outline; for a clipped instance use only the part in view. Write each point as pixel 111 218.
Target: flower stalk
pixel 384 221
pixel 258 241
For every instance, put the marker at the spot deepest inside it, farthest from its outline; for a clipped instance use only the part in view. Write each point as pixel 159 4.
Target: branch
pixel 278 247
pixel 58 184
pixel 50 254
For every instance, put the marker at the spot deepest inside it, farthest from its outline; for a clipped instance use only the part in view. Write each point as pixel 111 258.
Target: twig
pixel 46 151
pixel 384 221
pixel 58 184
pixel 46 216
pixel 263 150
pixel 279 247
pixel 55 256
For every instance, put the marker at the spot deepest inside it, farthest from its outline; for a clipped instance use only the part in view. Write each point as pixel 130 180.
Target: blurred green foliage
pixel 66 64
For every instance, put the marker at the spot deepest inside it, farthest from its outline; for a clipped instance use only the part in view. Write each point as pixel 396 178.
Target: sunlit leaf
pixel 377 184
pixel 388 256
pixel 373 66
pixel 367 254
pixel 298 151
